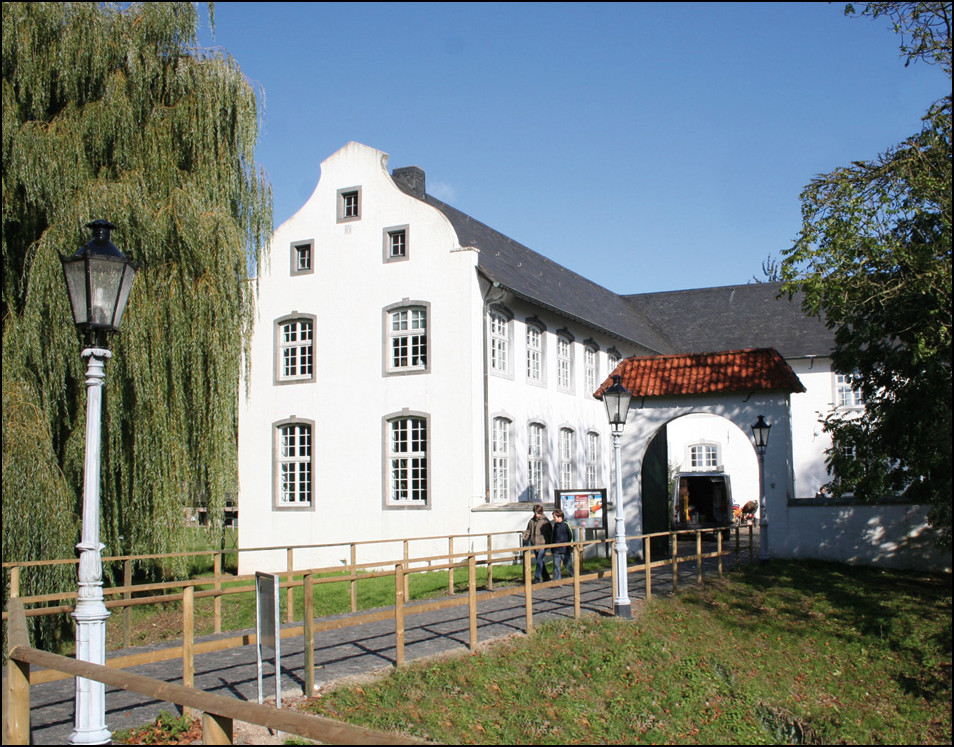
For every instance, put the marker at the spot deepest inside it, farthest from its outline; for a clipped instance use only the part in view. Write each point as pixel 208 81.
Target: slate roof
pixel 706 373
pixel 736 317
pixel 535 278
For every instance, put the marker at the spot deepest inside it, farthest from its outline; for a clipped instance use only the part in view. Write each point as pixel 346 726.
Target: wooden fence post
pixel 407 576
pixel 490 562
pixel 472 599
pixel 399 615
pixel 127 610
pixel 528 591
pixel 674 544
pixel 188 641
pixel 699 556
pixel 216 729
pixel 309 634
pixel 16 699
pixel 354 577
pixel 290 595
pixel 217 599
pixel 719 549
pixel 450 562
pixel 14 581
pixel 647 559
pixel 577 569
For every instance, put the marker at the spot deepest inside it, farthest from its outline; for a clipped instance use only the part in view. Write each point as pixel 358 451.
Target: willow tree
pixel 111 111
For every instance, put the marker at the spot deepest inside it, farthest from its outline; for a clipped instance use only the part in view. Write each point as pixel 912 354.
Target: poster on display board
pixel 583 509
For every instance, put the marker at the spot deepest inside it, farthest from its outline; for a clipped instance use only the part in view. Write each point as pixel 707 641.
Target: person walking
pixel 562 556
pixel 537 534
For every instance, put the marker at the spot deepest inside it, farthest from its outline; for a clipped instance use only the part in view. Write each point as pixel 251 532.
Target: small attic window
pixel 302 257
pixel 349 204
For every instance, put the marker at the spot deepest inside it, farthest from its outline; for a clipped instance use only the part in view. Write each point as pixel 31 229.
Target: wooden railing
pixel 217 712
pixel 399 570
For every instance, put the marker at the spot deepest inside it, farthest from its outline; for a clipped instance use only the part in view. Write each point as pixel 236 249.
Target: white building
pixel 416 373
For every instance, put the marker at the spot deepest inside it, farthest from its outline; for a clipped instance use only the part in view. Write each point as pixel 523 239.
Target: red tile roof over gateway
pixel 706 373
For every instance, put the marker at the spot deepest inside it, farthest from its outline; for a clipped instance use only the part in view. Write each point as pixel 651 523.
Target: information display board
pixel 583 509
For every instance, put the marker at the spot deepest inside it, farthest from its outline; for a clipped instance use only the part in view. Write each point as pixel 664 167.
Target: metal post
pixel 763 514
pixel 90 612
pixel 622 607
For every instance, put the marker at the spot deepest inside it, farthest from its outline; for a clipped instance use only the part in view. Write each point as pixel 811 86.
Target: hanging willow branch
pixel 110 112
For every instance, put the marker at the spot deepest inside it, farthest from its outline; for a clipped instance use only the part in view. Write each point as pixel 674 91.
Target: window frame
pixel 501 459
pixel 389 502
pixel 847 396
pixel 345 213
pixel 279 377
pixel 567 457
pixel 591 367
pixel 564 363
pixel 278 428
pixel 594 461
pixel 711 456
pixel 537 462
pixel 295 252
pixel 536 355
pixel 388 235
pixel 498 343
pixel 390 335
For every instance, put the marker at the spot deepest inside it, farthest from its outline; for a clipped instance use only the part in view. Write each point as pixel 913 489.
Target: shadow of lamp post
pixel 617 399
pixel 760 431
pixel 98 280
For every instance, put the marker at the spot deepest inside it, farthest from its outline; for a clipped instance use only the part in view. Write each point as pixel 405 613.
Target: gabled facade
pixel 415 373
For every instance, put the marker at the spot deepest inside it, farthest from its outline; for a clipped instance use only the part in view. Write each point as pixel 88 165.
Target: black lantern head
pixel 760 431
pixel 98 280
pixel 617 399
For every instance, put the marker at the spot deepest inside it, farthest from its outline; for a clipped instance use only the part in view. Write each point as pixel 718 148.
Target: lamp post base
pixel 623 610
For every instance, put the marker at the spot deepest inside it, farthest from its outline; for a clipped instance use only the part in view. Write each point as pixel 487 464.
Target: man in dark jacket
pixel 561 555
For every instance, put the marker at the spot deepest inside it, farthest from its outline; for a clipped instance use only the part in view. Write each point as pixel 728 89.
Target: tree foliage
pixel 873 259
pixel 110 111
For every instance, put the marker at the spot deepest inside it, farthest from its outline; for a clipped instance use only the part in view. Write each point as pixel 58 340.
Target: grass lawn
pixel 804 653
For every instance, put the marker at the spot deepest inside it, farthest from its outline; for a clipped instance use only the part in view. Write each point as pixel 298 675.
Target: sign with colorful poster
pixel 583 509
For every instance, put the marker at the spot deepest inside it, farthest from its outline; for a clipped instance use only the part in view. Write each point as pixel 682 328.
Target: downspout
pixel 494 294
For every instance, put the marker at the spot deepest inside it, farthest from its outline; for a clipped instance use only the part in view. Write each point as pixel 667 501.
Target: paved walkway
pixel 347 651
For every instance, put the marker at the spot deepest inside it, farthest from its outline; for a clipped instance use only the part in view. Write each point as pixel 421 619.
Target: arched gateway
pixel 737 386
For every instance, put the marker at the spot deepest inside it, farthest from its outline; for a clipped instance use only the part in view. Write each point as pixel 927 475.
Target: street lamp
pixel 617 399
pixel 760 432
pixel 98 280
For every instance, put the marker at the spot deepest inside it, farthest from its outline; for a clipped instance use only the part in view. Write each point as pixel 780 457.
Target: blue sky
pixel 648 147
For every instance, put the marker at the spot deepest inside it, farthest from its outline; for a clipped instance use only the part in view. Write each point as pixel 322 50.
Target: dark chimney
pixel 411 180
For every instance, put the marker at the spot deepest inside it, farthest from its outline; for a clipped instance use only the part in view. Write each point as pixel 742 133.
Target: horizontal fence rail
pixel 310 580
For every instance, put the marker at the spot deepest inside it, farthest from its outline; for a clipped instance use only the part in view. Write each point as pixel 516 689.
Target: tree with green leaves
pixel 873 259
pixel 111 111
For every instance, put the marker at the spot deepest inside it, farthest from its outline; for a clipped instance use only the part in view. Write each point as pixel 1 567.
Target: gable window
pixel 500 456
pixel 565 363
pixel 537 438
pixel 293 465
pixel 534 354
pixel 407 460
pixel 407 328
pixel 592 460
pixel 295 350
pixel 567 456
pixel 704 456
pixel 302 258
pixel 499 342
pixel 349 204
pixel 395 244
pixel 846 392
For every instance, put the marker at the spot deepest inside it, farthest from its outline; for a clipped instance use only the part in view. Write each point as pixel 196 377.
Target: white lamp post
pixel 617 399
pixel 98 280
pixel 760 432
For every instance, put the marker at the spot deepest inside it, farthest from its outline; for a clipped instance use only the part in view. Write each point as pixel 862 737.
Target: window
pixel 406 339
pixel 295 354
pixel 294 465
pixel 567 455
pixel 534 354
pixel 590 369
pixel 500 342
pixel 407 460
pixel 500 457
pixel 846 392
pixel 302 258
pixel 395 244
pixel 704 456
pixel 612 360
pixel 537 450
pixel 349 204
pixel 565 363
pixel 592 460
